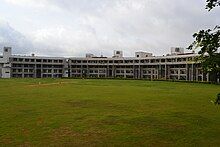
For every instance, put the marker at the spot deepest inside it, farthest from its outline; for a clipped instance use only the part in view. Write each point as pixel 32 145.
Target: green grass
pixel 107 113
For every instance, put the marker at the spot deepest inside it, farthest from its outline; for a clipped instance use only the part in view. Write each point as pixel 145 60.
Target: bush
pixel 217 102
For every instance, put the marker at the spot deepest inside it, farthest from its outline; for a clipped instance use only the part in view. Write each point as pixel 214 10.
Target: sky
pixel 77 27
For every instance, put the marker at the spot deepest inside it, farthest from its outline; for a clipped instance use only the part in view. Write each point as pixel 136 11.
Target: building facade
pixel 176 66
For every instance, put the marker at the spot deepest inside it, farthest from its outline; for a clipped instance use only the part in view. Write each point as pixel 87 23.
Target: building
pixel 176 66
pixel 31 66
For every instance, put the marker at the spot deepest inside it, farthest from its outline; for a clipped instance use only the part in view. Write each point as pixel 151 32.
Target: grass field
pixel 64 112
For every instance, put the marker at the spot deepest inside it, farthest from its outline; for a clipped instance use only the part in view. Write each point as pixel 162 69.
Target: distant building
pixel 90 55
pixel 177 50
pixel 118 54
pixel 176 66
pixel 143 54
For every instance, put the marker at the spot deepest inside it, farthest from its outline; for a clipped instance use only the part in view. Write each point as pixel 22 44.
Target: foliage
pixel 212 3
pixel 217 101
pixel 208 41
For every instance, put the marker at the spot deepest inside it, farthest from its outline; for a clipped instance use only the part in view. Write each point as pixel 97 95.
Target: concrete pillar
pixel 151 74
pixel 178 74
pixel 187 72
pixel 165 71
pixel 207 75
pixel 202 77
pixel 192 73
pixel 52 72
pixel 35 71
pixel 22 70
pixel 196 74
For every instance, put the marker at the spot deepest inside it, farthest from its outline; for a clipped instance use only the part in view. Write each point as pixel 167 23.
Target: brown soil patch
pixel 49 84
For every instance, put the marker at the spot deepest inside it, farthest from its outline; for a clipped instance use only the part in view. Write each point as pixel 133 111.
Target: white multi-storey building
pixel 176 66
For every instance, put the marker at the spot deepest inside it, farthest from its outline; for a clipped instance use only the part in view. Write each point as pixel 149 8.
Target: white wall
pixel 5 66
pixel 6 72
pixel 1 70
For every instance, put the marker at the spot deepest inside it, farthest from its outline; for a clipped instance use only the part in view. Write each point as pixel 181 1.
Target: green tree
pixel 208 42
pixel 212 3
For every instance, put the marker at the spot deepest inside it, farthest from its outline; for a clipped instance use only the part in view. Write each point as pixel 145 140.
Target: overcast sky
pixel 76 27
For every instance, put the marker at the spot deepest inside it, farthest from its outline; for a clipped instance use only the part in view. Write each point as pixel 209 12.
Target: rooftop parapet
pixel 143 54
pixel 118 54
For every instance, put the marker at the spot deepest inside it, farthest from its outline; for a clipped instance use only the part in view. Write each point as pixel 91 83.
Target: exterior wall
pixel 177 50
pixel 143 54
pixel 177 67
pixel 6 72
pixel 37 67
pixel 1 66
pixel 5 66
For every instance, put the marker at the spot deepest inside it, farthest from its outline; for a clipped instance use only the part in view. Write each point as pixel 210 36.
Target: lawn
pixel 77 112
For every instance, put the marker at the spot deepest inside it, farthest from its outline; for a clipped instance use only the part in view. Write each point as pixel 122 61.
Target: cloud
pixel 32 3
pixel 13 38
pixel 74 27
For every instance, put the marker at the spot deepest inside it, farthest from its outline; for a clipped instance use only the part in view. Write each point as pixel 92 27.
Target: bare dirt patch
pixel 49 84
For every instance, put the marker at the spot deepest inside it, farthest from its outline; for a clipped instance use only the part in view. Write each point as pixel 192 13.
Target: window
pixel 101 71
pixel 26 60
pixel 183 59
pixel 179 60
pixel 15 59
pixel 182 71
pixel 169 60
pixel 177 49
pixel 152 61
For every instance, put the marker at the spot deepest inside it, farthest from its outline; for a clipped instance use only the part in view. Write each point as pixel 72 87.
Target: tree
pixel 208 41
pixel 211 4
